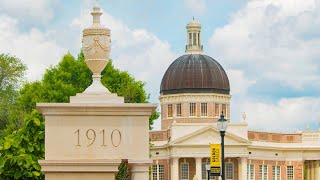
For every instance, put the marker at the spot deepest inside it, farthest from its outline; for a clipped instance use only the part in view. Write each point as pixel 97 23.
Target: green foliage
pixel 123 173
pixel 12 71
pixel 21 150
pixel 154 115
pixel 72 76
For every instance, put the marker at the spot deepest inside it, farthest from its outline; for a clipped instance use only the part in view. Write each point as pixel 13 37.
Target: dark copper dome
pixel 195 73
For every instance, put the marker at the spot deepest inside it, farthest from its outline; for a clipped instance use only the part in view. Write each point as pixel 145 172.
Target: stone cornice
pixel 79 165
pixel 88 109
pixel 192 97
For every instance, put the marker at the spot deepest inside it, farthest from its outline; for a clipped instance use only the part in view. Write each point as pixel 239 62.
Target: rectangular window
pixel 169 110
pixel 290 173
pixel 178 109
pixel 194 39
pixel 250 172
pixel 190 39
pixel 276 170
pixel 263 172
pixel 203 171
pixel 229 170
pixel 154 172
pixel 216 110
pixel 157 172
pixel 204 109
pixel 224 109
pixel 192 109
pixel 161 172
pixel 184 171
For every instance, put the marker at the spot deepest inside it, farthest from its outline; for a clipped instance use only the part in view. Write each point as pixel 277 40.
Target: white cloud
pixel 274 40
pixel 197 7
pixel 35 48
pixel 239 84
pixel 34 9
pixel 286 115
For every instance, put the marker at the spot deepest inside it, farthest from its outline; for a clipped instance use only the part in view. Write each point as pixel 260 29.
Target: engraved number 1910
pixel 91 137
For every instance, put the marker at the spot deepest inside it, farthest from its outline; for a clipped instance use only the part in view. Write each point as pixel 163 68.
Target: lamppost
pixel 208 168
pixel 222 126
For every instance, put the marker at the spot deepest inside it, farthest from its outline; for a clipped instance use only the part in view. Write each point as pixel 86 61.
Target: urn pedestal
pixel 89 140
pixel 89 137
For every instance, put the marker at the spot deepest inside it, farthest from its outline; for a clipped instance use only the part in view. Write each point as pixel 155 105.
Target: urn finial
pixel 96 48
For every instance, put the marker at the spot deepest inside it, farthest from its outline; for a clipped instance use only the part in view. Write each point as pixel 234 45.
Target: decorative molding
pixel 96 31
pixel 96 44
pixel 205 97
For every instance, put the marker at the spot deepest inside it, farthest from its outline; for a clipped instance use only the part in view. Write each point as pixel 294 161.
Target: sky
pixel 270 49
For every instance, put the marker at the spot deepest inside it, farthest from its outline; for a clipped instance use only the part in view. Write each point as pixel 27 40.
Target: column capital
pixel 175 160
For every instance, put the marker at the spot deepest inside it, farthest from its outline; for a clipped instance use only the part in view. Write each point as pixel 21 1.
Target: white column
pixel 139 169
pixel 198 168
pixel 243 167
pixel 317 170
pixel 175 169
pixel 312 171
pixel 308 171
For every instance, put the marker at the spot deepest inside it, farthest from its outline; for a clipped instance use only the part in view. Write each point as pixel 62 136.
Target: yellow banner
pixel 215 150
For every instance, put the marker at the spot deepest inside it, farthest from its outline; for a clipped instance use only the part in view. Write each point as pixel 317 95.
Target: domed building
pixel 194 92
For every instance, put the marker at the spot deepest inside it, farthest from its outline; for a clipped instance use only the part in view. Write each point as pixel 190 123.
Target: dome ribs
pixel 195 73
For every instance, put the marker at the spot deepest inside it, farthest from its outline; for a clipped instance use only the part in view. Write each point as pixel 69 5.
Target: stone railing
pixel 274 137
pixel 159 135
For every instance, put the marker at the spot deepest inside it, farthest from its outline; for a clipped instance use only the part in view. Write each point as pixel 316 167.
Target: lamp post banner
pixel 215 160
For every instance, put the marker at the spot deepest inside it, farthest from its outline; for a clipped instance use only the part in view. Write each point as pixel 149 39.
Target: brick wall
pixel 274 137
pixel 158 135
pixel 166 168
pixel 297 165
pixel 185 114
pixel 192 166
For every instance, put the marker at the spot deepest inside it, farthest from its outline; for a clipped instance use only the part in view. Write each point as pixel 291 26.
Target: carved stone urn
pixel 96 48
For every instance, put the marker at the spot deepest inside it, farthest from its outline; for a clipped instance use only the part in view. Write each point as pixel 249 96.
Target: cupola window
pixel 194 39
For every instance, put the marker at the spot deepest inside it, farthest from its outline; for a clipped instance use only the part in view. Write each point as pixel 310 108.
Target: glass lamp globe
pixel 222 123
pixel 208 167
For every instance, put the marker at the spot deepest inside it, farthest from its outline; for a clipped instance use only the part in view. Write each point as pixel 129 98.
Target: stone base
pixel 79 169
pixel 139 169
pixel 96 98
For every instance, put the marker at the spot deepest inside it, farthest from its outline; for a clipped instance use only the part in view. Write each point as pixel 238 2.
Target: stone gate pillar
pixel 90 136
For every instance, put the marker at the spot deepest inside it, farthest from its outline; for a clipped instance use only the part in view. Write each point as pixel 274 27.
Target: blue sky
pixel 269 48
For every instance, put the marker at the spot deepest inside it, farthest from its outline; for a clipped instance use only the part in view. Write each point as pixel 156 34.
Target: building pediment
pixel 209 135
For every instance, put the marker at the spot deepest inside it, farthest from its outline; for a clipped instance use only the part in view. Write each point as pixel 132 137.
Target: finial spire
pixel 244 116
pixel 194 45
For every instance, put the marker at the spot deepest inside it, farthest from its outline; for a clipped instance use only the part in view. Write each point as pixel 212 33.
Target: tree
pixel 21 150
pixel 69 77
pixel 12 72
